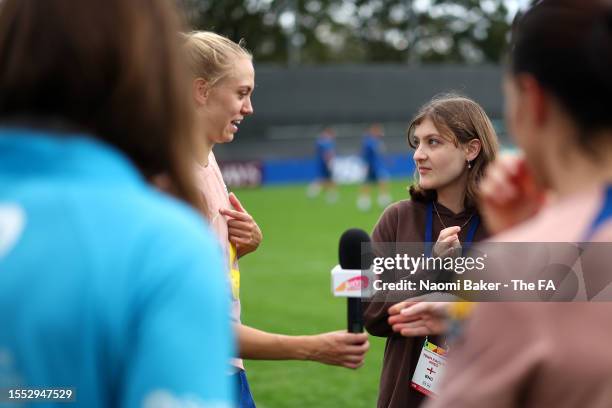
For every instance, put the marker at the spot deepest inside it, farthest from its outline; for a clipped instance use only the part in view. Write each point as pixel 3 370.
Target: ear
pixel 201 91
pixel 472 149
pixel 534 99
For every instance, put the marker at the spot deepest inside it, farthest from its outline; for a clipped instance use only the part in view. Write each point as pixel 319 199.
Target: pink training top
pixel 537 354
pixel 211 185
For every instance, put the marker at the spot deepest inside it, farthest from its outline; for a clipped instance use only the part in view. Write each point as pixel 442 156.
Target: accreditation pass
pixel 429 369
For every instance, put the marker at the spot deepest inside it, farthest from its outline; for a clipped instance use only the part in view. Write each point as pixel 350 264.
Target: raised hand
pixel 509 194
pixel 448 242
pixel 242 229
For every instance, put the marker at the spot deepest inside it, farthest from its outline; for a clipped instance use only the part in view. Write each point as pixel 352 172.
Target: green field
pixel 285 289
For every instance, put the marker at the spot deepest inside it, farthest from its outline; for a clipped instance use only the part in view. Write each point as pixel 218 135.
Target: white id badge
pixel 429 369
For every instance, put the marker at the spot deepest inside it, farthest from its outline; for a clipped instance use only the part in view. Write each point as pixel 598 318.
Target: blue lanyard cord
pixel 604 214
pixel 429 230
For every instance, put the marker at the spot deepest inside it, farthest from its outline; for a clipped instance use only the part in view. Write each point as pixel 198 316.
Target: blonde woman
pixel 222 85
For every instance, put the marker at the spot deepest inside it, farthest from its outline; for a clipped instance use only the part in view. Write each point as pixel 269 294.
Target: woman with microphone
pixel 223 80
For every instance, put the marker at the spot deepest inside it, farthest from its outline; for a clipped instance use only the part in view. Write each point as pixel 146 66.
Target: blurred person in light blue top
pixel 107 286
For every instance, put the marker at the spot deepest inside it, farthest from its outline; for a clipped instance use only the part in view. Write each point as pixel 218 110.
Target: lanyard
pixel 605 213
pixel 471 232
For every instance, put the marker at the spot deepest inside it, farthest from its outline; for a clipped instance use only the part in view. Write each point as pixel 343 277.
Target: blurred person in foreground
pixel 325 154
pixel 453 141
pixel 557 107
pixel 107 286
pixel 223 80
pixel 372 149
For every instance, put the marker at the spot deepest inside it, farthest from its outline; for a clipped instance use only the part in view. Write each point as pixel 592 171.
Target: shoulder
pixel 175 218
pixel 130 221
pixel 405 208
pixel 401 213
pixel 564 220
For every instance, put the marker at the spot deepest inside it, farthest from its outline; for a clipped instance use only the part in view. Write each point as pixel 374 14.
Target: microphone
pixel 348 279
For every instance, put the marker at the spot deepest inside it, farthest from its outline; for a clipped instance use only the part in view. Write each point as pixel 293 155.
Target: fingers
pixel 450 239
pixel 340 348
pixel 416 310
pixel 357 350
pixel 502 181
pixel 354 358
pixel 240 241
pixel 398 318
pixel 241 225
pixel 409 326
pixel 422 327
pixel 355 338
pixel 353 366
pixel 396 308
pixel 242 216
pixel 236 203
pixel 448 232
pixel 509 194
pixel 241 232
pixel 416 332
pixel 498 185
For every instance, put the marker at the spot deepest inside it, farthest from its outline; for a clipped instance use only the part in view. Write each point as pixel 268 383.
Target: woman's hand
pixel 242 229
pixel 412 319
pixel 448 242
pixel 509 194
pixel 339 348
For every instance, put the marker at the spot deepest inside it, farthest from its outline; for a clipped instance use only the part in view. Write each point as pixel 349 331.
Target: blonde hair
pixel 459 120
pixel 211 56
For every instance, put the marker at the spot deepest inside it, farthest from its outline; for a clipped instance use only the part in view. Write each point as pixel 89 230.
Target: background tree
pixel 342 31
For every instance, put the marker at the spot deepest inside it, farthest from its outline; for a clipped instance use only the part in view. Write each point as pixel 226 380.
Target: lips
pixel 423 170
pixel 235 124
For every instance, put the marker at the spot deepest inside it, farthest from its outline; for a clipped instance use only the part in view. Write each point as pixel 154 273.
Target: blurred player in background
pixel 372 154
pixel 325 154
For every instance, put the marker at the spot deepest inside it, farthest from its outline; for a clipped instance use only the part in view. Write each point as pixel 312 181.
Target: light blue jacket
pixel 106 286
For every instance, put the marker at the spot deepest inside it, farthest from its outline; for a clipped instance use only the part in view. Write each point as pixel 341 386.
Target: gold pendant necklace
pixel 442 222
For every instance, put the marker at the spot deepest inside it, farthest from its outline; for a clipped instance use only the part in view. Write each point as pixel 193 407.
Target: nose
pixel 419 154
pixel 247 107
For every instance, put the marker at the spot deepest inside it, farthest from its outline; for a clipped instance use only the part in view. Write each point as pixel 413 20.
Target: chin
pixel 427 185
pixel 227 138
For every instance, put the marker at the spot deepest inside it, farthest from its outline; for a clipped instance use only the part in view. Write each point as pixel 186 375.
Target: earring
pixel 469 164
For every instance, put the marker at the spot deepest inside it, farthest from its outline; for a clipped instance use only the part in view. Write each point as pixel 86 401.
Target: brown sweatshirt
pixel 405 222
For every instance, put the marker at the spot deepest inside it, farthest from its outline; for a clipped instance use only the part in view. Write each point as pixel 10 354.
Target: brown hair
pixel 110 68
pixel 459 120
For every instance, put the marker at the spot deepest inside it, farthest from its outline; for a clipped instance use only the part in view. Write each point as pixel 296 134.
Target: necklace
pixel 442 222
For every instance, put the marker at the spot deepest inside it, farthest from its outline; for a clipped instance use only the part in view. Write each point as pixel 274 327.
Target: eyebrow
pixel 247 87
pixel 427 136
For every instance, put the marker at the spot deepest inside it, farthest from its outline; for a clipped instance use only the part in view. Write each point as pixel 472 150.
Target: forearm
pixel 375 318
pixel 259 345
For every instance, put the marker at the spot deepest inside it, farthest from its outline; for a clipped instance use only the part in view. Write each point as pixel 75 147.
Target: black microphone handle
pixel 355 315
